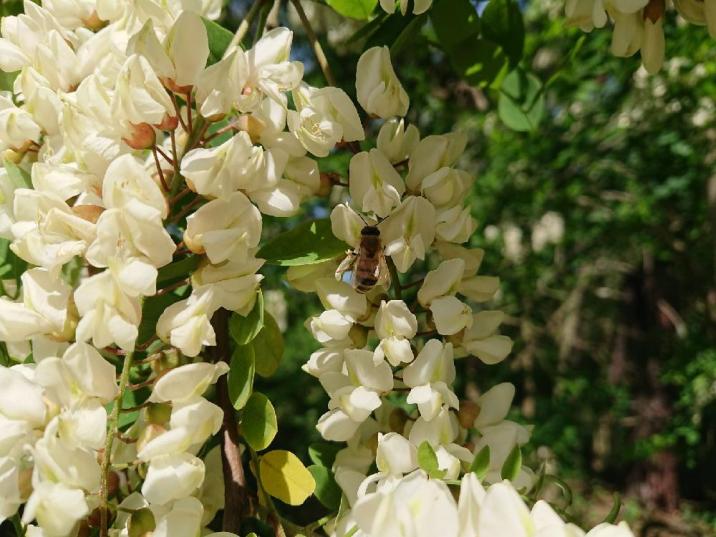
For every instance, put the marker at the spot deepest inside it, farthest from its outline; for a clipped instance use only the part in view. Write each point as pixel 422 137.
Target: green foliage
pixel 356 9
pixel 284 477
pixel 19 177
pixel 258 422
pixel 481 463
pixel 512 465
pixel 243 330
pixel 428 460
pixel 219 40
pixel 241 375
pixel 327 490
pixel 305 244
pixel 268 347
pixel 521 104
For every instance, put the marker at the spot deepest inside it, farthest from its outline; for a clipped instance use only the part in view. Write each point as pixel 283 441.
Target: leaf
pixel 428 460
pixel 241 375
pixel 268 347
pixel 407 35
pixel 141 522
pixel 219 40
pixel 388 30
pixel 324 453
pixel 327 490
pixel 178 270
pixel 243 330
pixel 478 61
pixel 258 422
pixel 454 22
pixel 513 464
pixel 19 177
pixel 7 80
pixel 284 476
pixel 502 23
pixel 481 463
pixel 306 244
pixel 355 9
pixel 521 103
pixel 368 29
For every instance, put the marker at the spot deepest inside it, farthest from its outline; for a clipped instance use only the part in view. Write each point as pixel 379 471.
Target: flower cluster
pixel 387 360
pixel 639 24
pixel 128 149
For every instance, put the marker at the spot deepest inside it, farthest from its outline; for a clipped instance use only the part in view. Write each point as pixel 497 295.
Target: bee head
pixel 370 231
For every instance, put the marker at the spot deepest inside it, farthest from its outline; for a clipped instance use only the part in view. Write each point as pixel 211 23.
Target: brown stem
pixel 315 44
pixel 178 111
pixel 235 490
pixel 159 169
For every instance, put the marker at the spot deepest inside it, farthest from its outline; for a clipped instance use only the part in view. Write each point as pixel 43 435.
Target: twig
pixel 163 154
pixel 186 210
pixel 172 287
pixel 188 111
pixel 112 423
pixel 179 196
pixel 178 111
pixel 315 44
pixel 244 26
pixel 159 169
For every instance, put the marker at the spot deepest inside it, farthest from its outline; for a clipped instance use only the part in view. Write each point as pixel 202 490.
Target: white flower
pixel 224 228
pixel 395 141
pixel 431 154
pixel 126 180
pixel 56 507
pixel 409 231
pixel 379 90
pixel 179 61
pixel 450 315
pixel 414 506
pixel 342 297
pixel 187 323
pixel 47 232
pixel 375 186
pixel 346 224
pixel 172 477
pixel 187 382
pixel 430 377
pixel 323 117
pixel 494 405
pixel 21 399
pixel 108 314
pixel 444 280
pixel 233 283
pixel 481 339
pixel 183 519
pixel 395 454
pixel 17 127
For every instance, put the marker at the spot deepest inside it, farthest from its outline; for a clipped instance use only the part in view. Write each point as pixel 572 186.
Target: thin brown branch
pixel 315 44
pixel 159 169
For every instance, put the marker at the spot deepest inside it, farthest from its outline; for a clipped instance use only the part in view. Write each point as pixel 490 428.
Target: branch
pixel 112 429
pixel 244 26
pixel 315 44
pixel 238 502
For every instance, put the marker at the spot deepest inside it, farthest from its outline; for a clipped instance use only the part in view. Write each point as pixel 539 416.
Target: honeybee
pixel 367 262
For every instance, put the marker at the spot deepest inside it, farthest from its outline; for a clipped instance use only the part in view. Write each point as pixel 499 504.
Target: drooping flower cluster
pixel 638 25
pixel 126 151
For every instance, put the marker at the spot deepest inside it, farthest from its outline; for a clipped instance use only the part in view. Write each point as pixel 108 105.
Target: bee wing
pixel 382 272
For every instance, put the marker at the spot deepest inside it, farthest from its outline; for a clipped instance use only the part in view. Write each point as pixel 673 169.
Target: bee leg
pixel 346 264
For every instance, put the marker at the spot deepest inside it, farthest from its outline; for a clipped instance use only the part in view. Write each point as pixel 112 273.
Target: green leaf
pixel 611 517
pixel 355 9
pixel 306 244
pixel 324 453
pixel 7 80
pixel 241 375
pixel 327 490
pixel 454 22
pixel 284 476
pixel 388 30
pixel 178 270
pixel 19 177
pixel 513 464
pixel 478 61
pixel 11 266
pixel 368 29
pixel 268 347
pixel 408 35
pixel 502 23
pixel 521 103
pixel 141 522
pixel 481 463
pixel 428 460
pixel 219 40
pixel 243 330
pixel 258 422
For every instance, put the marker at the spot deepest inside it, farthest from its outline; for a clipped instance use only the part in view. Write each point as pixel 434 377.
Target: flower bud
pixel 140 136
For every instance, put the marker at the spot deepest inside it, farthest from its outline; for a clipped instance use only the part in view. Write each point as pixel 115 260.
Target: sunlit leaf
pixel 284 476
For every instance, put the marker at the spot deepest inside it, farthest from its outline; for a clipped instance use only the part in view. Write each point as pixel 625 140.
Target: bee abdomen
pixel 363 285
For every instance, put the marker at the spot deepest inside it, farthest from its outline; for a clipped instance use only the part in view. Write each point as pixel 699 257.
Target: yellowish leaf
pixel 284 476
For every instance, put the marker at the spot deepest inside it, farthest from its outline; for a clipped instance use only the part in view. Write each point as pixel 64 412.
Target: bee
pixel 367 262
